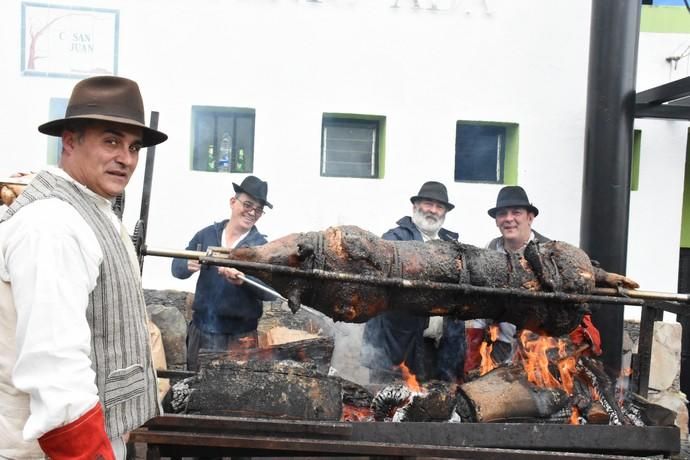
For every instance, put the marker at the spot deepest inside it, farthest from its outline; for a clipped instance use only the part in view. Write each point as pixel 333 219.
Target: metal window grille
pixel 349 147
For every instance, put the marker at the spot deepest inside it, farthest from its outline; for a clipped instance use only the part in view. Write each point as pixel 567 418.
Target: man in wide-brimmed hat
pixel 396 338
pixel 514 215
pixel 76 374
pixel 226 311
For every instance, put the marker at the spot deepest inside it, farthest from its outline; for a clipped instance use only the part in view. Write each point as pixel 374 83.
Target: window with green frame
pixel 352 145
pixel 223 139
pixel 486 152
pixel 635 163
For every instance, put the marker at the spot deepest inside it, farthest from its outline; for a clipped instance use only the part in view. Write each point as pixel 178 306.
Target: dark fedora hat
pixel 512 196
pixel 106 98
pixel 433 191
pixel 255 187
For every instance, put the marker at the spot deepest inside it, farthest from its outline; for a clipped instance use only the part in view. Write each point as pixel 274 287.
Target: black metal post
pixel 613 43
pixel 141 227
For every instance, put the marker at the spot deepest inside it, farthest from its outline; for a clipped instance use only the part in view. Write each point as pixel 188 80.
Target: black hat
pixel 255 187
pixel 433 191
pixel 512 196
pixel 106 98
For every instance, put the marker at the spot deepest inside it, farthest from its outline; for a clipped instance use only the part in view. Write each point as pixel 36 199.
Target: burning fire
pixel 548 362
pixel 488 363
pixel 410 379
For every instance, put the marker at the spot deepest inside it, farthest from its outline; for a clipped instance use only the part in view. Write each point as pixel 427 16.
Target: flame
pixel 488 363
pixel 574 417
pixel 542 356
pixel 410 379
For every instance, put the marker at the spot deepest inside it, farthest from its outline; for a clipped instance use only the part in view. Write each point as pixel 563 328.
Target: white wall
pixel 656 207
pixel 522 62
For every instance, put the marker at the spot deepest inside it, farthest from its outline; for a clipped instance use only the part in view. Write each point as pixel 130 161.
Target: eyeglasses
pixel 249 207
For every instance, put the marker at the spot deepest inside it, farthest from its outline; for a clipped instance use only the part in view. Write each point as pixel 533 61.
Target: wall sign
pixel 68 41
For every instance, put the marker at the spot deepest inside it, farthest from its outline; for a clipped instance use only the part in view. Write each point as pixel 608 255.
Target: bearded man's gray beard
pixel 428 223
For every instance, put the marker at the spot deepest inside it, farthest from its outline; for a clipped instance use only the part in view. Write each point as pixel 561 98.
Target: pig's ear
pixel 304 250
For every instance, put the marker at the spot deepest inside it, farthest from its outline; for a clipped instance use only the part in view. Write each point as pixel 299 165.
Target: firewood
pixel 505 394
pixel 284 389
pixel 318 350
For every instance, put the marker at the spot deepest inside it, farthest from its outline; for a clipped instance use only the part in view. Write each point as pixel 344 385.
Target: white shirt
pixel 51 258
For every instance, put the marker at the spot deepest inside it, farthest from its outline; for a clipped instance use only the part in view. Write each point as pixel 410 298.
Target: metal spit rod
pixel 599 295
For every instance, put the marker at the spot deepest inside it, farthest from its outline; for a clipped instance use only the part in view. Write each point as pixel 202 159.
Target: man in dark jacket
pixel 514 215
pixel 394 338
pixel 226 310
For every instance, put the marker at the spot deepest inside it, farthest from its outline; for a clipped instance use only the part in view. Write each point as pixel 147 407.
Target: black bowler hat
pixel 512 196
pixel 106 98
pixel 433 191
pixel 254 187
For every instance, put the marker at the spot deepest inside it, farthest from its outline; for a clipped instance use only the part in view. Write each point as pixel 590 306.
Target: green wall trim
pixel 685 220
pixel 664 19
pixel 635 167
pixel 510 165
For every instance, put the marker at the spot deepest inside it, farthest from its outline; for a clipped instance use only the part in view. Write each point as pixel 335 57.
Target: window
pixel 351 145
pixel 486 152
pixel 222 139
pixel 56 110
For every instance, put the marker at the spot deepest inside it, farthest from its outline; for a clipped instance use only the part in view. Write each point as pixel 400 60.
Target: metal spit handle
pixel 262 287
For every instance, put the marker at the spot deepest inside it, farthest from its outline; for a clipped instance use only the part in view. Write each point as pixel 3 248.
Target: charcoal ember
pixel 581 397
pixel 597 414
pixel 177 399
pixel 554 266
pixel 643 412
pixel 354 394
pixel 435 404
pixel 594 372
pixel 389 400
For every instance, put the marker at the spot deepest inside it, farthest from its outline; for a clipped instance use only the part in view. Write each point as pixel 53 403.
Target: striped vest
pixel 120 350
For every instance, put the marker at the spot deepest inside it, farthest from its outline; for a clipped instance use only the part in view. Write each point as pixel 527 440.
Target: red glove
pixel 82 439
pixel 586 331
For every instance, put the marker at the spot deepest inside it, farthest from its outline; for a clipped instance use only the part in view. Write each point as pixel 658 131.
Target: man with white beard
pixel 395 338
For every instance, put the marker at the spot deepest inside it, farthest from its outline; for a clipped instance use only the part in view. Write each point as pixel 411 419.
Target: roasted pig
pixel 553 267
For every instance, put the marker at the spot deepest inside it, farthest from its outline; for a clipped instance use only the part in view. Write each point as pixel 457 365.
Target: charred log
pixel 436 404
pixel 283 389
pixel 600 381
pixel 505 394
pixel 554 267
pixel 318 351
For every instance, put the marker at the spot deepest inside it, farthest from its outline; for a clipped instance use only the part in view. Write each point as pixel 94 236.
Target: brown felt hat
pixel 106 98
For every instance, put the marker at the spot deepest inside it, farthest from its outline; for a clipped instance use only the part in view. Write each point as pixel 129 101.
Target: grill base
pixel 197 435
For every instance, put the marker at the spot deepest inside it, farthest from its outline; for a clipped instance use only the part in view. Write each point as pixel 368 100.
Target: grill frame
pixel 200 435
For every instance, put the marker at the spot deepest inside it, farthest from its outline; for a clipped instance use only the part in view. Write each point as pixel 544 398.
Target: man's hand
pixel 231 274
pixel 193 265
pixel 10 192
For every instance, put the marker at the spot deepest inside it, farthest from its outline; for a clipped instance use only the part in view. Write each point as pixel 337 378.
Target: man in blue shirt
pixel 226 311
